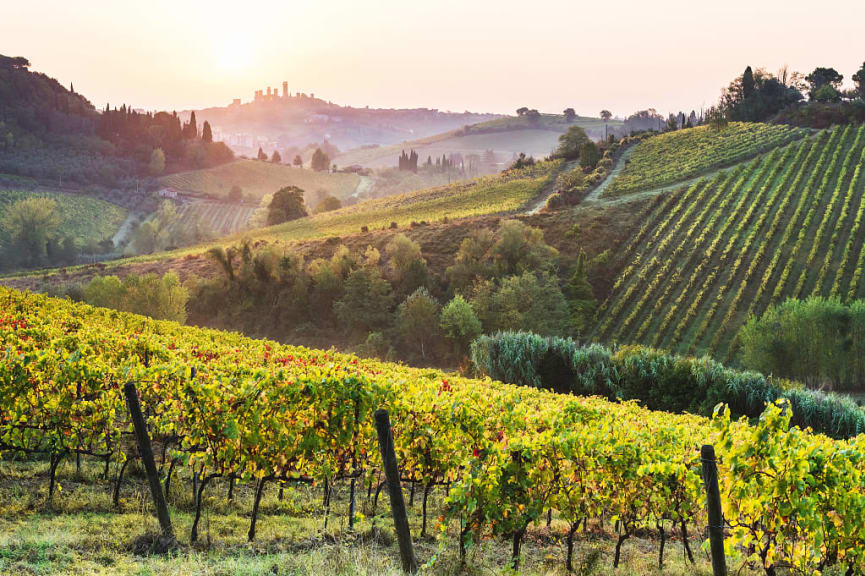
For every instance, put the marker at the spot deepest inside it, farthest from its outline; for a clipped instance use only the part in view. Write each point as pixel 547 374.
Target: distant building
pixel 235 102
pixel 169 193
pixel 284 89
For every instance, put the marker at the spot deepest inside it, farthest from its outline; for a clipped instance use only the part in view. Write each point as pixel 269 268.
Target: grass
pixel 677 156
pixel 259 178
pixel 84 218
pixel 82 533
pixel 219 217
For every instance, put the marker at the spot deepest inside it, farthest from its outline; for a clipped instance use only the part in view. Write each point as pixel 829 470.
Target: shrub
pixel 659 380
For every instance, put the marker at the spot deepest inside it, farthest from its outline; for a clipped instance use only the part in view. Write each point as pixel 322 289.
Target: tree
pixel 826 93
pixel 590 155
pixel 298 161
pixel 408 268
pixel 206 133
pixel 522 111
pixel 320 161
pixel 327 204
pixel 418 320
pixel 748 85
pixel 190 129
pixel 473 260
pixel 365 303
pixel 261 155
pixel 570 142
pixel 580 295
pixel 821 77
pixel 235 195
pixel 859 79
pixel 534 116
pixel 757 95
pixel 157 162
pixel 520 248
pixel 672 123
pixel 30 223
pixel 606 115
pixel 460 324
pixel 162 298
pixel 286 204
pixel 276 158
pixel 522 161
pixel 716 118
pixel 570 114
pixel 145 239
pixel 529 301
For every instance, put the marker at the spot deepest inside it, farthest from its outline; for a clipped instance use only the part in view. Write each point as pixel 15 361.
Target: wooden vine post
pixel 716 518
pixel 146 452
pixel 397 503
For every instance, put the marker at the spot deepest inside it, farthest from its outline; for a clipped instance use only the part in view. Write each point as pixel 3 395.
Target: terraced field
pixel 677 156
pixel 220 217
pixel 84 218
pixel 257 178
pixel 785 224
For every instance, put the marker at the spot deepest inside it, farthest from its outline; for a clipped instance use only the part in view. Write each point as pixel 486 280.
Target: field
pixel 785 224
pixel 538 143
pixel 485 195
pixel 221 218
pixel 506 137
pixel 84 218
pixel 496 457
pixel 677 156
pixel 259 178
pixel 481 196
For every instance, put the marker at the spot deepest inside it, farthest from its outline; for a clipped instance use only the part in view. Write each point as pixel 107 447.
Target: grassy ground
pixel 259 178
pixel 84 218
pixel 82 533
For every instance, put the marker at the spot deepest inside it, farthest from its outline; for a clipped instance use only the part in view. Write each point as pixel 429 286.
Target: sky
pixel 478 55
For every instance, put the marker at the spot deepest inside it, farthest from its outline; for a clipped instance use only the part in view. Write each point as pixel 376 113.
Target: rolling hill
pixel 290 120
pixel 83 218
pixel 257 179
pixel 505 137
pixel 682 154
pixel 785 224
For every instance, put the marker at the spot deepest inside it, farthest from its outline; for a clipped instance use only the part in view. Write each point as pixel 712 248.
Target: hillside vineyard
pixel 786 224
pixel 223 405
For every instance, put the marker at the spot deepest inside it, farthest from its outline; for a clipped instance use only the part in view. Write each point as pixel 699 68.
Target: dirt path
pixel 364 186
pixel 595 194
pixel 597 201
pixel 122 234
pixel 550 188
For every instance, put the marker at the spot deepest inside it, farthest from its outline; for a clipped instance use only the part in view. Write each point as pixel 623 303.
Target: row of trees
pixel 387 302
pixel 161 141
pixel 757 95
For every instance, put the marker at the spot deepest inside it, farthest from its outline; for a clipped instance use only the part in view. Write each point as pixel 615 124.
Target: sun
pixel 232 56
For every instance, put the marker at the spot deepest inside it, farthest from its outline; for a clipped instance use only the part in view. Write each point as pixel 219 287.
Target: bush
pixel 659 380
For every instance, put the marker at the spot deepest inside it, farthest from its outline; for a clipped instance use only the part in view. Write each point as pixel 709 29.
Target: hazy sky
pixel 491 56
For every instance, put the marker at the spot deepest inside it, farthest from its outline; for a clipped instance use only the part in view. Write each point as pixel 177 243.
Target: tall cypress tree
pixel 206 133
pixel 748 83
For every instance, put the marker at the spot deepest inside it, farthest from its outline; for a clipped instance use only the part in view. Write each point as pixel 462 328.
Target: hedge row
pixel 659 380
